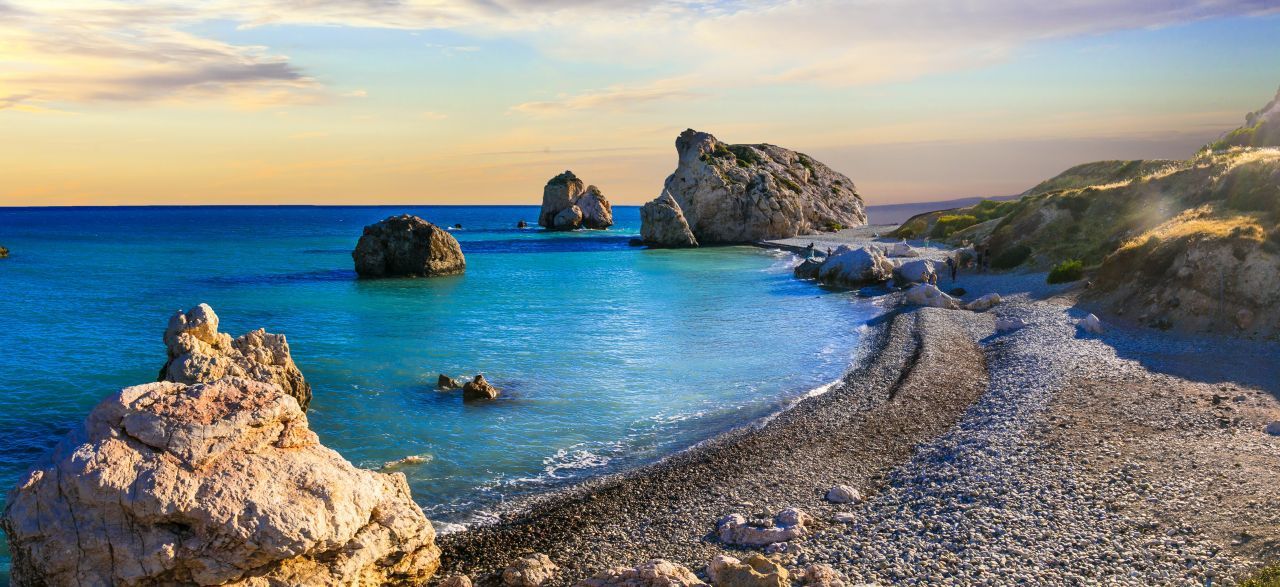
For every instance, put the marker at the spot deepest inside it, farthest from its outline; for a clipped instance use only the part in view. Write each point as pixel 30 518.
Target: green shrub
pixel 807 163
pixel 1075 203
pixel 791 185
pixel 950 223
pixel 1069 270
pixel 745 155
pixel 988 209
pixel 1265 577
pixel 1011 257
pixel 834 226
pixel 912 229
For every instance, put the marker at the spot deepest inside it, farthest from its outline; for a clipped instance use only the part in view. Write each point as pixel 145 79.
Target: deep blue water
pixel 608 355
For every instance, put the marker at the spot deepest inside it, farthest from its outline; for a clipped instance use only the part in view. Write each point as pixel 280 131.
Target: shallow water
pixel 608 355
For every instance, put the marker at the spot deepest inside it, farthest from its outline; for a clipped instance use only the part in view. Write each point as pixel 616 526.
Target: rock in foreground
pixel 849 267
pixel 744 193
pixel 735 529
pixel 654 573
pixel 568 205
pixel 407 246
pixel 198 353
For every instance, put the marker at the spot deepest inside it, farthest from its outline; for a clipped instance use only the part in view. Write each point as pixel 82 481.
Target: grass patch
pixel 1265 577
pixel 807 163
pixel 834 226
pixel 1011 257
pixel 912 229
pixel 1202 223
pixel 950 223
pixel 791 185
pixel 1066 271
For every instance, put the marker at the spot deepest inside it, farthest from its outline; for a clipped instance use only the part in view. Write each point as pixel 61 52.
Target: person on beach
pixel 953 266
pixel 809 251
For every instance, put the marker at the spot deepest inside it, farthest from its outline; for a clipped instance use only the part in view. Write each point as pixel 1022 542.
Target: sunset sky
pixel 481 101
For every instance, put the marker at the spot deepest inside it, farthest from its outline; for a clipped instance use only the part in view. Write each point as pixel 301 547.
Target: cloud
pixel 433 116
pixel 614 98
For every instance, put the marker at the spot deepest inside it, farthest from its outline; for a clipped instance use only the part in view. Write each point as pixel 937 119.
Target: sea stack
pixel 568 204
pixel 745 193
pixel 407 246
pixel 211 483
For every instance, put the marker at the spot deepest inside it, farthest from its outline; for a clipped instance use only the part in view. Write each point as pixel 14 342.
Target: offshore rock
pixel 198 353
pixel 407 246
pixel 568 204
pixel 446 382
pixel 479 389
pixel 746 193
pixel 662 224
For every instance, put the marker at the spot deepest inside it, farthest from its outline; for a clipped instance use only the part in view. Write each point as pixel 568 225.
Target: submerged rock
pixel 217 482
pixel 568 205
pixel 446 382
pixel 198 353
pixel 789 524
pixel 407 246
pixel 531 571
pixel 654 573
pixel 479 389
pixel 756 571
pixel 930 296
pixel 745 193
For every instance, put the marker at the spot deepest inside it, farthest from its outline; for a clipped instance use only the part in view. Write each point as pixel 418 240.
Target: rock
pixel 446 382
pixel 456 581
pixel 212 483
pixel 1090 324
pixel 850 267
pixel 662 224
pixel 407 246
pixel 1008 324
pixel 807 269
pixel 4 253
pixel 843 494
pixel 531 571
pixel 756 571
pixel 819 575
pixel 478 389
pixel 1244 318
pixel 930 296
pixel 198 353
pixel 655 573
pixel 521 224
pixel 983 303
pixel 747 193
pixel 902 249
pixel 918 271
pixel 789 524
pixel 1273 428
pixel 568 205
pixel 844 517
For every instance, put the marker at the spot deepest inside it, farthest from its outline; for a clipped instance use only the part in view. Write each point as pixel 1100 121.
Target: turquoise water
pixel 608 355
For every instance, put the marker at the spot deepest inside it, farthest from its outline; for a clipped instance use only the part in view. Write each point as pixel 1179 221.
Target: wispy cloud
pixel 613 98
pixel 433 115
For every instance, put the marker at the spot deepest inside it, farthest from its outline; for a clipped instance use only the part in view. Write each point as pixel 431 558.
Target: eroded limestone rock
pixel 789 524
pixel 654 573
pixel 531 571
pixel 756 571
pixel 407 246
pixel 479 389
pixel 568 204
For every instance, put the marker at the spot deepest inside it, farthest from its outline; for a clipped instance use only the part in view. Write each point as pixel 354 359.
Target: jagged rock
pixel 756 571
pixel 456 581
pixel 198 353
pixel 852 267
pixel 531 571
pixel 843 494
pixel 1009 324
pixel 654 573
pixel 789 524
pixel 662 224
pixel 918 271
pixel 1090 324
pixel 567 205
pixel 213 483
pixel 923 294
pixel 478 389
pixel 407 246
pixel 983 303
pixel 746 193
pixel 446 382
pixel 820 575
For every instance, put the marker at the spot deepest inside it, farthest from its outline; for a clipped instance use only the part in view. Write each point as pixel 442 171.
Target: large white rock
pixel 923 294
pixel 1090 324
pixel 983 303
pixel 902 249
pixel 662 224
pixel 843 494
pixel 918 271
pixel 852 267
pixel 1009 324
pixel 746 193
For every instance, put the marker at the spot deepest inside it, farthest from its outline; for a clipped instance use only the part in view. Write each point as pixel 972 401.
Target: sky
pixel 482 101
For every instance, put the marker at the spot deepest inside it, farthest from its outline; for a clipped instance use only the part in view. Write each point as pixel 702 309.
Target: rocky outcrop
pixel 531 571
pixel 736 529
pixel 654 573
pixel 198 353
pixel 745 193
pixel 1261 128
pixel 446 382
pixel 662 224
pixel 407 246
pixel 479 389
pixel 218 482
pixel 568 205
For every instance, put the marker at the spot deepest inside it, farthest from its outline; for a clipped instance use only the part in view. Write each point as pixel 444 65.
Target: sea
pixel 609 356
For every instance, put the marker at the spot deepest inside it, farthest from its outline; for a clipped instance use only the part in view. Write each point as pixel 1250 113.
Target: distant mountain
pixel 899 213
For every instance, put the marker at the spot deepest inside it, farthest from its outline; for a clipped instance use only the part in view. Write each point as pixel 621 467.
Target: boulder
pixel 983 303
pixel 807 269
pixel 844 517
pixel 213 483
pixel 521 224
pixel 902 249
pixel 930 296
pixel 918 271
pixel 662 224
pixel 531 571
pixel 456 581
pixel 4 253
pixel 756 571
pixel 747 193
pixel 198 353
pixel 568 204
pixel 446 382
pixel 654 573
pixel 850 267
pixel 789 524
pixel 821 575
pixel 1273 428
pixel 407 246
pixel 1090 324
pixel 1009 324
pixel 843 494
pixel 478 389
